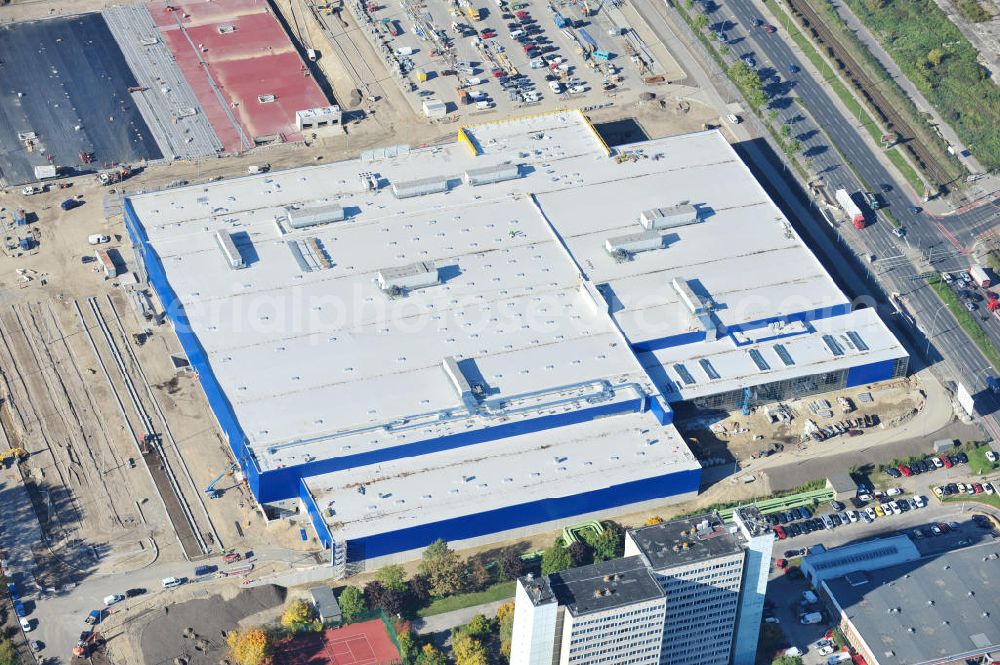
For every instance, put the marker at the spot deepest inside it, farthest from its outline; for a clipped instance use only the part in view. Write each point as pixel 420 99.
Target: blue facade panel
pixel 196 355
pixel 283 483
pixel 322 530
pixel 664 414
pixel 526 514
pixel 862 374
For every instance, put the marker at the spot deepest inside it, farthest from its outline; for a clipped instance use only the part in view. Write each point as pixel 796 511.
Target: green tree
pixel 700 22
pixel 609 544
pixel 556 558
pixel 430 656
pixel 772 115
pixel 468 650
pixel 786 131
pixel 725 50
pixel 787 660
pixel 443 568
pixel 935 56
pixel 480 626
pixel 298 616
pixel 8 654
pixel 352 603
pixel 792 147
pixel 392 577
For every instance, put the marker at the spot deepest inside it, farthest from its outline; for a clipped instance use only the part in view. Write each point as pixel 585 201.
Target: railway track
pixel 164 427
pixel 65 385
pixel 859 79
pixel 142 428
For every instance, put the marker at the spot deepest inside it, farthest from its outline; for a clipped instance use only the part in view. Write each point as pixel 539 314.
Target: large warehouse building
pixel 480 339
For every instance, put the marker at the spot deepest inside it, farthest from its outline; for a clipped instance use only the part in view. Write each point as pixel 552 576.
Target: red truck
pixel 850 208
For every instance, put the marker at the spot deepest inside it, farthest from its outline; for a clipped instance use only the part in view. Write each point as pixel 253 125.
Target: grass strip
pixel 967 321
pixel 501 591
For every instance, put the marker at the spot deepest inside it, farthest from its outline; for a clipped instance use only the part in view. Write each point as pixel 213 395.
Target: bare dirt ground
pixel 195 629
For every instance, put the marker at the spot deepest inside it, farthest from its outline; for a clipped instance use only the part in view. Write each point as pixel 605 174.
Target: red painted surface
pixel 257 58
pixel 365 643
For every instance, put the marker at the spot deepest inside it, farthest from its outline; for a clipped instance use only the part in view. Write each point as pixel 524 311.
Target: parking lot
pixel 495 55
pixel 907 506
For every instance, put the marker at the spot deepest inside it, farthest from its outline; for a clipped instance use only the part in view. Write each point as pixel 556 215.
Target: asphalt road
pixel 818 123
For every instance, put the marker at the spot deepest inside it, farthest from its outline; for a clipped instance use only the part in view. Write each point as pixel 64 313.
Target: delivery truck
pixel 850 208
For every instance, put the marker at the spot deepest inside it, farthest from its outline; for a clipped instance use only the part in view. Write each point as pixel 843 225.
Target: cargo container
pixel 850 208
pixel 979 276
pixel 108 262
pixel 560 21
pixel 463 97
pixel 603 55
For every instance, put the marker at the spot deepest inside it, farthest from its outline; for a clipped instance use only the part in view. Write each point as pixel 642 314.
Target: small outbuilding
pixel 327 607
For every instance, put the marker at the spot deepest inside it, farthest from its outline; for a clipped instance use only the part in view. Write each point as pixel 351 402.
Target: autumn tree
pixel 578 553
pixel 505 620
pixel 479 626
pixel 352 604
pixel 419 589
pixel 299 615
pixel 378 596
pixel 468 650
pixel 251 646
pixel 477 576
pixel 935 56
pixel 511 565
pixel 430 656
pixel 443 568
pixel 654 520
pixel 392 577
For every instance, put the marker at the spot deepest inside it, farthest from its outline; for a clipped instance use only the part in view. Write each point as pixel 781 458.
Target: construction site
pixel 121 462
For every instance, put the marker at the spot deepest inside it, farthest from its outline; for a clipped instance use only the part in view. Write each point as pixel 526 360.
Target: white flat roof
pixel 808 351
pixel 558 462
pixel 318 363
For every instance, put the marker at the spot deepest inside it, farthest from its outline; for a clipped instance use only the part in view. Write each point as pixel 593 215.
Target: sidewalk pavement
pixel 448 620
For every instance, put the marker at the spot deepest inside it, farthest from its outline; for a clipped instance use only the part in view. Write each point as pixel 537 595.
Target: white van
pixel 406 50
pixel 98 239
pixel 312 54
pixel 113 598
pixel 733 118
pixel 484 104
pixel 516 33
pixel 256 169
pixel 171 582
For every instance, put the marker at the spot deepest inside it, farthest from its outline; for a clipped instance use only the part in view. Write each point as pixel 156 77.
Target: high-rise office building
pixel 608 612
pixel 698 584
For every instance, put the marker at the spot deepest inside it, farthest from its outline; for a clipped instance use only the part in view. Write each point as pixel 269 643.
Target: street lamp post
pixel 933 326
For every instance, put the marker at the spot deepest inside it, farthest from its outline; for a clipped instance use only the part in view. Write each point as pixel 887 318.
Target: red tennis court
pixel 365 643
pixel 242 66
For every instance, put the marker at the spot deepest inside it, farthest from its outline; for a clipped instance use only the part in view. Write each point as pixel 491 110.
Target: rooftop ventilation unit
pixel 692 300
pixel 408 277
pixel 466 391
pixel 633 243
pixel 656 219
pixel 228 247
pixel 491 174
pixel 405 190
pixel 306 216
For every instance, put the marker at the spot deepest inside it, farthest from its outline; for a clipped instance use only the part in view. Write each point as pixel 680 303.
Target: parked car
pixel 171 582
pixel 26 625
